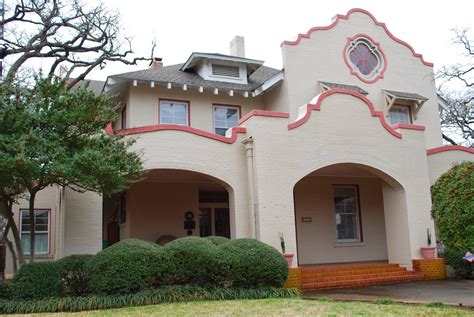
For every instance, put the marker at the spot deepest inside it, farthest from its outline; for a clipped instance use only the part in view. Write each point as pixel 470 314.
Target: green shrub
pixel 126 267
pixel 150 297
pixel 384 301
pixel 255 264
pixel 37 280
pixel 73 274
pixel 5 292
pixel 197 261
pixel 453 207
pixel 217 240
pixel 461 267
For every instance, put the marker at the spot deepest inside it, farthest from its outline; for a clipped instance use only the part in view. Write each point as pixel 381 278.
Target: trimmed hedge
pixel 153 297
pixel 217 240
pixel 37 280
pixel 255 264
pixel 196 260
pixel 461 267
pixel 73 274
pixel 126 267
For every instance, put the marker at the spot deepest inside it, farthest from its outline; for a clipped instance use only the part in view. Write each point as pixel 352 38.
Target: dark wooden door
pixel 221 222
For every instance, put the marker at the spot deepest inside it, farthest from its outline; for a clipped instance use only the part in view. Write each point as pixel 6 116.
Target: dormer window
pixel 225 71
pixel 400 114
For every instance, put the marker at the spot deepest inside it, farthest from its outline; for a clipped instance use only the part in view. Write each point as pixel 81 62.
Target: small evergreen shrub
pixel 73 274
pixel 217 240
pixel 5 292
pixel 37 280
pixel 196 260
pixel 255 264
pixel 461 267
pixel 126 267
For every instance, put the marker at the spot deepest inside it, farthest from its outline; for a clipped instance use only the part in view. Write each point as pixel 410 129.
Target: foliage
pixel 51 135
pixel 384 301
pixel 150 297
pixel 428 237
pixel 457 117
pixel 73 274
pixel 282 242
pixel 453 207
pixel 127 266
pixel 37 281
pixel 255 264
pixel 216 240
pixel 5 292
pixel 461 267
pixel 198 261
pixel 437 305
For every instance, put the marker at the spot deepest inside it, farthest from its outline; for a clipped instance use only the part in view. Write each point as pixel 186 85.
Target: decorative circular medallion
pixel 365 58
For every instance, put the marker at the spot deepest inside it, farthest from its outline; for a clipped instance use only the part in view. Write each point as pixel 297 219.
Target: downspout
pixel 254 230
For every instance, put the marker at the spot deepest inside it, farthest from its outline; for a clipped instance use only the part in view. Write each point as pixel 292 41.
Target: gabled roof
pixel 174 75
pixel 196 57
pixel 405 95
pixel 343 86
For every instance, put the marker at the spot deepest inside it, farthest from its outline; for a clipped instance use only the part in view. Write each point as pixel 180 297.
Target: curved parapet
pixel 441 159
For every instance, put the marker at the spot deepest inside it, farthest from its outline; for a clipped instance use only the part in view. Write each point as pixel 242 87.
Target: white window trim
pixel 27 252
pixel 216 105
pixel 357 213
pixel 186 103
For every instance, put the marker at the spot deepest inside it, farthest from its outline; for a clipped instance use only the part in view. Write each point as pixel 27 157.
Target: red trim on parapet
pixel 408 126
pixel 174 127
pixel 324 95
pixel 446 148
pixel 351 67
pixel 263 113
pixel 346 17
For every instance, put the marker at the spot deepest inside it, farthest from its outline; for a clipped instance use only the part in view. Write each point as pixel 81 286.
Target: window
pixel 42 230
pixel 400 114
pixel 225 117
pixel 347 213
pixel 174 112
pixel 123 124
pixel 365 58
pixel 225 70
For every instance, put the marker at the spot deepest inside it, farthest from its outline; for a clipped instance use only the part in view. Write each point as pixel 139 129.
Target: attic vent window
pixel 225 70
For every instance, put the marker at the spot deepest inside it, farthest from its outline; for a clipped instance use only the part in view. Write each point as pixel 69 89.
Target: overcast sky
pixel 181 27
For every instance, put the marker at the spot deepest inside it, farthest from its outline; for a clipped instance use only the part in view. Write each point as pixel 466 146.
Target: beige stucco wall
pixel 441 162
pixel 320 58
pixel 83 222
pixel 317 239
pixel 143 105
pixel 342 132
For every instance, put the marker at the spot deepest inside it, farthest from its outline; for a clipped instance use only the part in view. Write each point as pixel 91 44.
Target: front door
pixel 214 219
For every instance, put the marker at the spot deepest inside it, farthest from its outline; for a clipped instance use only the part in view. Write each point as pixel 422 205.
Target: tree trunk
pixel 10 248
pixel 32 225
pixel 6 210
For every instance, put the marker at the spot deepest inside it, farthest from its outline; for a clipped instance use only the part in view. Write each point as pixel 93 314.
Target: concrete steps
pixel 313 279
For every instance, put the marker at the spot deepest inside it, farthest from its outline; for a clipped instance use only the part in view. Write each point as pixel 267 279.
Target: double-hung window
pixel 347 213
pixel 225 117
pixel 400 114
pixel 42 230
pixel 174 112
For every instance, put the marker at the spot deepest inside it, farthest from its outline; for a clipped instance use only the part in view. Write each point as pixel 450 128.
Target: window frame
pixel 358 213
pixel 188 108
pixel 123 118
pixel 410 116
pixel 20 228
pixel 221 105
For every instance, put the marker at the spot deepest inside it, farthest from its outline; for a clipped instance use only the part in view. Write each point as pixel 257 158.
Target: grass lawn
pixel 277 307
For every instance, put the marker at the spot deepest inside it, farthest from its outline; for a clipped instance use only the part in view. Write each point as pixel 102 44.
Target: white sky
pixel 181 27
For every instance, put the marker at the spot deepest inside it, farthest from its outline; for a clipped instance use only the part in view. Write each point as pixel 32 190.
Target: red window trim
pixel 50 211
pixel 361 238
pixel 175 100
pixel 223 105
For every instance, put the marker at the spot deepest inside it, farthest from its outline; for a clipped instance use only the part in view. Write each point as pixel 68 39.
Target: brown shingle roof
pixel 405 95
pixel 172 74
pixel 344 86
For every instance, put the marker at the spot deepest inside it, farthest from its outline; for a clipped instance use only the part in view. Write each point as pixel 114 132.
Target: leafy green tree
pixel 57 137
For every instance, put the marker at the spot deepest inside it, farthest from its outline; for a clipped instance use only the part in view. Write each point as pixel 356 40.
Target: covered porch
pixel 167 204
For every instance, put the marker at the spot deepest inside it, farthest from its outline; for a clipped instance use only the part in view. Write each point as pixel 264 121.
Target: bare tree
pixel 457 90
pixel 72 35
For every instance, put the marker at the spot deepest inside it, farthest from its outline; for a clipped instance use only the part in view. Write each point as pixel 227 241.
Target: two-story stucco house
pixel 337 151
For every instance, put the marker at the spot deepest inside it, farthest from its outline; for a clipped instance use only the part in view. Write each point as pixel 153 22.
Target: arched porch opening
pixel 167 204
pixel 347 213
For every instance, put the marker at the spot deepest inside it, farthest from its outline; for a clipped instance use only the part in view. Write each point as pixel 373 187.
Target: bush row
pixel 132 266
pixel 149 297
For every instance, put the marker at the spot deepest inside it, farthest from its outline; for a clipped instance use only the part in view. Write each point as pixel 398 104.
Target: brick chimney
pixel 237 46
pixel 156 63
